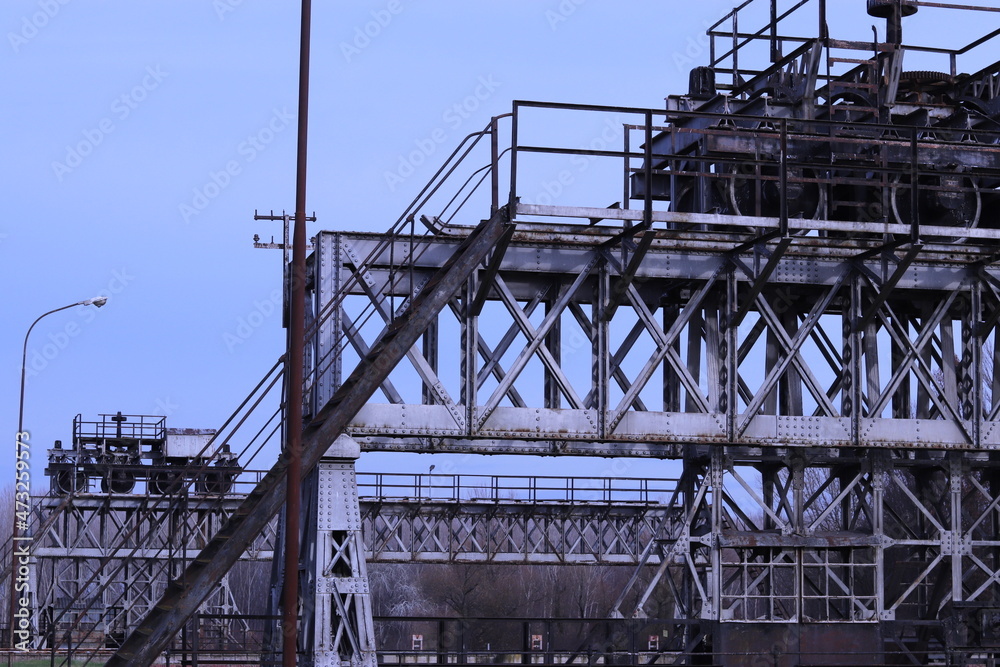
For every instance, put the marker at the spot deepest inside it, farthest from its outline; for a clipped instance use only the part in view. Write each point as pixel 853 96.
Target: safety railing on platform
pixel 723 173
pixel 513 489
pixel 435 211
pixel 733 38
pixel 114 426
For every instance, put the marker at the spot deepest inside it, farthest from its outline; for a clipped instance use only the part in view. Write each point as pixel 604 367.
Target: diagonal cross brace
pixel 671 357
pixel 420 364
pixel 536 340
pixel 616 359
pixel 921 370
pixel 888 287
pixel 760 280
pixel 793 348
pixel 648 323
pixel 493 362
pixel 662 350
pixel 628 275
pixel 183 596
pixel 476 309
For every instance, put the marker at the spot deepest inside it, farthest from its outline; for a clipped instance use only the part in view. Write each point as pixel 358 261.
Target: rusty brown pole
pixel 294 362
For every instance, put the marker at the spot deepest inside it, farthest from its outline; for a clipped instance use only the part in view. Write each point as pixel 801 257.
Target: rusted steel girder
pixel 182 597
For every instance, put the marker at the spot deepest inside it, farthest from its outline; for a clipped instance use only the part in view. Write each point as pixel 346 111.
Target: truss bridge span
pixel 505 519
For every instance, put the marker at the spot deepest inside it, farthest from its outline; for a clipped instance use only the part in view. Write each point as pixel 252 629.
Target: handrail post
pixel 783 184
pixel 647 211
pixel 512 199
pixel 711 47
pixel 495 166
pixel 736 49
pixel 775 53
pixel 627 162
pixel 914 192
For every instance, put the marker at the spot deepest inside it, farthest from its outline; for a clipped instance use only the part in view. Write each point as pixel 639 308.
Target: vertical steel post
pixel 716 479
pixel 854 378
pixel 729 356
pixel 512 199
pixel 956 475
pixel 470 351
pixel 553 341
pixel 775 51
pixel 880 471
pixel 975 380
pixel 736 49
pixel 601 351
pixel 294 363
pixel 626 166
pixel 647 204
pixel 914 192
pixel 783 180
pixel 494 168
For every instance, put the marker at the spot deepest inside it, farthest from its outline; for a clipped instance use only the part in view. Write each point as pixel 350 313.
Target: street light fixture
pixel 15 532
pixel 96 301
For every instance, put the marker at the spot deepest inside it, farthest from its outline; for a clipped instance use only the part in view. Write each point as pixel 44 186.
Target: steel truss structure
pixel 851 453
pixel 530 520
pixel 794 296
pixel 803 312
pixel 398 518
pixel 92 588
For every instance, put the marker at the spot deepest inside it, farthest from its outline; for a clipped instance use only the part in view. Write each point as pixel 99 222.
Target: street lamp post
pixel 20 553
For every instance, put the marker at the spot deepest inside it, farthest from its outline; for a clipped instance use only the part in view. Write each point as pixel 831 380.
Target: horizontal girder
pixel 596 341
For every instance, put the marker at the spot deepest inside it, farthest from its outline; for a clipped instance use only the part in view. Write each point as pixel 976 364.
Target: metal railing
pixel 896 164
pixel 513 488
pixel 136 427
pixel 728 38
pixel 435 216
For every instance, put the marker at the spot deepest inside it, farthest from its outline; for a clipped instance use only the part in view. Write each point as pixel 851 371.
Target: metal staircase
pixel 183 595
pixel 403 329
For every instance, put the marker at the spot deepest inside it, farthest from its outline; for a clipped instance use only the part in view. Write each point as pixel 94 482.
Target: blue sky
pixel 139 137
